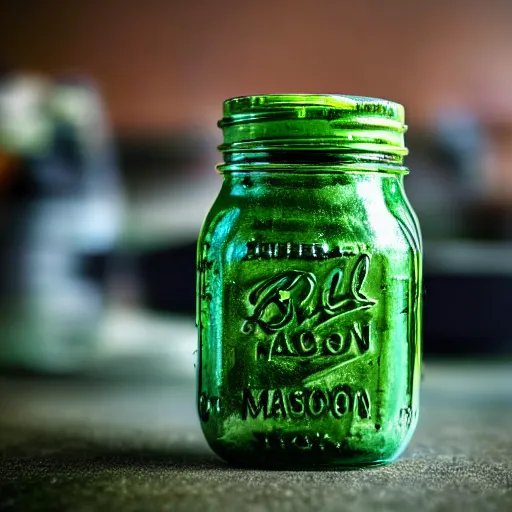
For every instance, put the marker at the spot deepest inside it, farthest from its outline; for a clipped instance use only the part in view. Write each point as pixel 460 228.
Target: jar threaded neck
pixel 286 130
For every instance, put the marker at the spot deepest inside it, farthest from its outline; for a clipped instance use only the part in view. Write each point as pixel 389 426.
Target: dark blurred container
pixel 468 298
pixel 466 315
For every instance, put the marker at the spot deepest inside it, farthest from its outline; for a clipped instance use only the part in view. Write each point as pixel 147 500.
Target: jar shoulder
pixel 370 211
pixel 368 228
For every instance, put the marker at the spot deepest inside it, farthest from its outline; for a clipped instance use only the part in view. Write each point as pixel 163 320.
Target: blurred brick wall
pixel 167 63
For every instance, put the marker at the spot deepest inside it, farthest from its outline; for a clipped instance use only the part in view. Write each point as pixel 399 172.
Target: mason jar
pixel 309 286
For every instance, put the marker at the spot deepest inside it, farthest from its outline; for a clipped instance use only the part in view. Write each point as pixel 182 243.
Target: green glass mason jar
pixel 309 286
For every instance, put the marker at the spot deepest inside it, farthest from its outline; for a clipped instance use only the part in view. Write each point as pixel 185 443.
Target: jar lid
pixel 354 125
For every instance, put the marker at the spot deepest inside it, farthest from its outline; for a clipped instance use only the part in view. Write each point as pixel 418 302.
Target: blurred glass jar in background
pixel 60 213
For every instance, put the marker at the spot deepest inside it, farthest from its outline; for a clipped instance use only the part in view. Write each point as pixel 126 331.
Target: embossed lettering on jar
pixel 309 281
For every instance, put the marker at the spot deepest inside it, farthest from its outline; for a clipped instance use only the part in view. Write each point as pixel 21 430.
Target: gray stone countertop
pixel 135 446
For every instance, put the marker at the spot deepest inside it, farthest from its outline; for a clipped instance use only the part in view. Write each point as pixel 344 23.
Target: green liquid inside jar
pixel 309 281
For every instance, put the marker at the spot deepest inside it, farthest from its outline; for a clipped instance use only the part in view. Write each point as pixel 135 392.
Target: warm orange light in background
pixel 7 167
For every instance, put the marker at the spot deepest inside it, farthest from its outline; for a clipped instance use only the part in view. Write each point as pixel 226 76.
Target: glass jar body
pixel 309 311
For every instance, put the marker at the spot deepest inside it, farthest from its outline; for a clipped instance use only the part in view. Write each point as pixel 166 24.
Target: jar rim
pixel 303 105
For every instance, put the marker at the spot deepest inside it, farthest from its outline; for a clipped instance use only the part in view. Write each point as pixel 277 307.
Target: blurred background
pixel 108 144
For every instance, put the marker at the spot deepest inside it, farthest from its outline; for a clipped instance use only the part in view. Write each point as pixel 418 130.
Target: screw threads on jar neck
pixel 312 131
